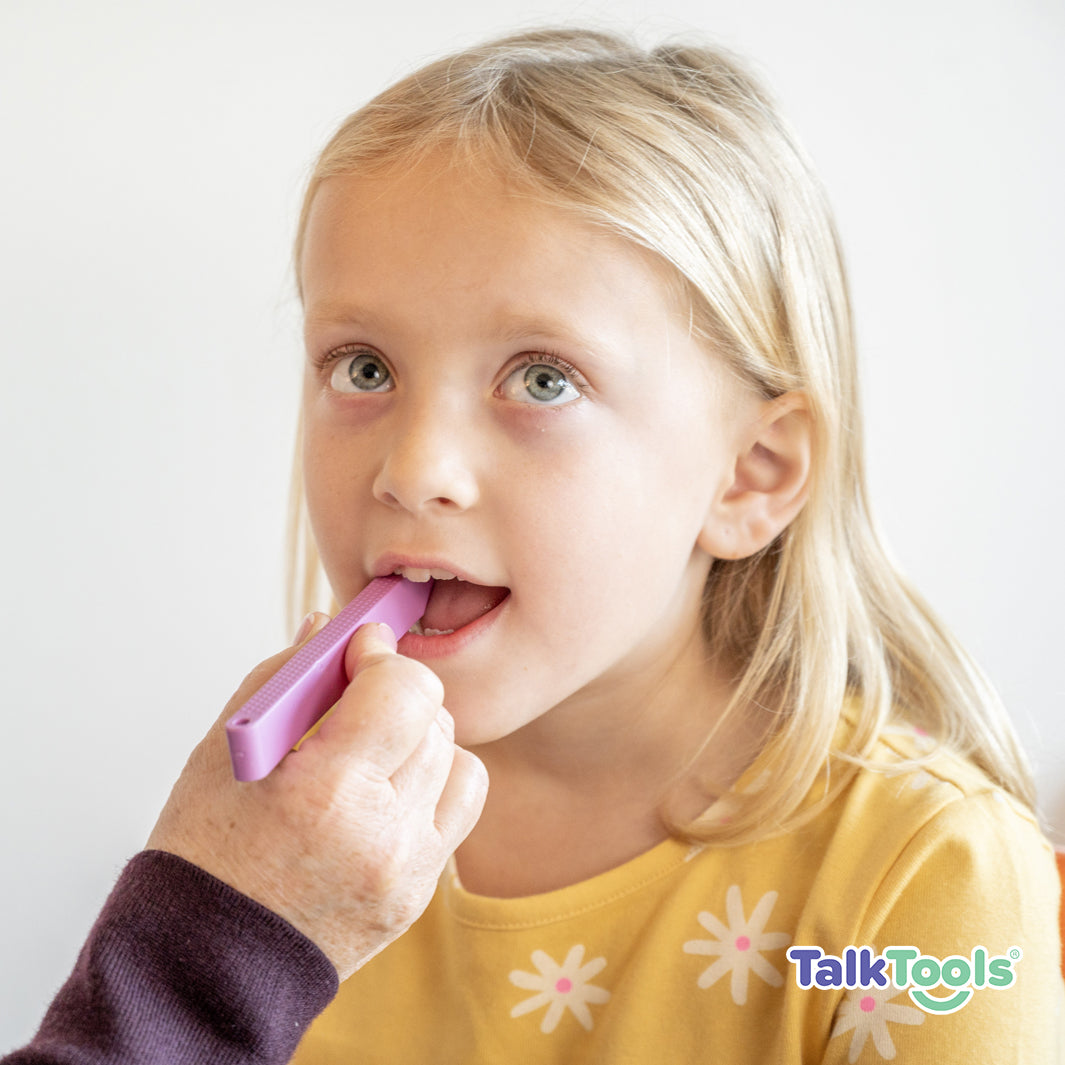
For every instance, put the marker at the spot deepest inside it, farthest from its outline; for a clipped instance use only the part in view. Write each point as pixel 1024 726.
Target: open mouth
pixel 453 603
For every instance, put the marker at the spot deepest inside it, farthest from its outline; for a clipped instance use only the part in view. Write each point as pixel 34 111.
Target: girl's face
pixel 498 390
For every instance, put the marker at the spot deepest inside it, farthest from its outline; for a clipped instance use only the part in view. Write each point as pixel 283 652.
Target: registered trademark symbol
pixel 1015 953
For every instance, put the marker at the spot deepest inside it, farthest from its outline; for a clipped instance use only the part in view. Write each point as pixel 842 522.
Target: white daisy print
pixel 560 988
pixel 739 946
pixel 867 1012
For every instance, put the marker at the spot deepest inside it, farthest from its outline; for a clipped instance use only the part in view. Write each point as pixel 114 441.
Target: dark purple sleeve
pixel 179 969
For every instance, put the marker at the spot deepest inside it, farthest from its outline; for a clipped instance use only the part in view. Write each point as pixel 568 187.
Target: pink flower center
pixel 563 984
pixel 743 943
pixel 868 1004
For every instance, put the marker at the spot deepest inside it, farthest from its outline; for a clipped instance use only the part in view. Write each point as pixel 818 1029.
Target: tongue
pixel 455 603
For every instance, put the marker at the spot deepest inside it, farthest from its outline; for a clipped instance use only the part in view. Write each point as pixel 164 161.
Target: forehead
pixel 437 200
pixel 445 229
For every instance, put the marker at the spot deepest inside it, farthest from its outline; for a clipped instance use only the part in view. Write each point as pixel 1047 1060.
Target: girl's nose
pixel 428 464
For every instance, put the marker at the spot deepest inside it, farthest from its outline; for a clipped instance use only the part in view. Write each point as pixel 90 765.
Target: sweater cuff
pixel 191 962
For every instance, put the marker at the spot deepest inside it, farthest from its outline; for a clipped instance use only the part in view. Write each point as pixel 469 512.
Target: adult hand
pixel 347 837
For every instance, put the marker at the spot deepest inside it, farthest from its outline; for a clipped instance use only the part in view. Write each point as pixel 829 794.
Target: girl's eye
pixel 365 372
pixel 540 383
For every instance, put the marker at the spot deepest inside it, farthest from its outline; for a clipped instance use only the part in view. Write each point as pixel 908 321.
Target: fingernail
pixel 304 630
pixel 385 634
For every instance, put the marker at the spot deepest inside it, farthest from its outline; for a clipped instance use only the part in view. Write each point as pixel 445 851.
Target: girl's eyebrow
pixel 334 313
pixel 507 326
pixel 514 327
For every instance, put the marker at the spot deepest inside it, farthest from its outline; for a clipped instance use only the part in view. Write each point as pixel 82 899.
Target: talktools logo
pixel 907 968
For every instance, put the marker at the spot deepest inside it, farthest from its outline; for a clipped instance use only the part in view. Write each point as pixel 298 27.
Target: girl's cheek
pixel 337 455
pixel 546 429
pixel 326 410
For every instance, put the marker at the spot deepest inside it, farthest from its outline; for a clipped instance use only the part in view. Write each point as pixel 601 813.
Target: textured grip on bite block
pixel 282 711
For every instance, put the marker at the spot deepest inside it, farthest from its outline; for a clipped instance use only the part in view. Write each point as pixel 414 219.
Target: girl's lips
pixel 422 646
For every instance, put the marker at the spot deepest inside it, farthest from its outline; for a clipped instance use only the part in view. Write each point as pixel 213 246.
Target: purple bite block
pixel 281 712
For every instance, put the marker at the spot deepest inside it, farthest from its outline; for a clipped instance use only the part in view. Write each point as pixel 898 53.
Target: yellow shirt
pixel 690 954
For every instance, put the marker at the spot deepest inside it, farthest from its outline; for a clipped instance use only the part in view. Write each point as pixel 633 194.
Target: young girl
pixel 579 350
pixel 578 333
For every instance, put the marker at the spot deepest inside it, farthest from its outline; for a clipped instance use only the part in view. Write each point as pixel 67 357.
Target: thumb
pixel 370 643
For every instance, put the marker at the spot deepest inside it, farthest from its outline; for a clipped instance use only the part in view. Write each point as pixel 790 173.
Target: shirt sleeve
pixel 180 968
pixel 975 892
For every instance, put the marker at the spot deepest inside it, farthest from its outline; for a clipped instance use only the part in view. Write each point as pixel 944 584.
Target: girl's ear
pixel 770 482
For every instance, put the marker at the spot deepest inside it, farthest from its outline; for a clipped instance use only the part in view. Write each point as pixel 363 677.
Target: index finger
pixel 387 709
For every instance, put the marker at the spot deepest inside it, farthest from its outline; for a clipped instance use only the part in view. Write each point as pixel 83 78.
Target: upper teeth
pixel 420 576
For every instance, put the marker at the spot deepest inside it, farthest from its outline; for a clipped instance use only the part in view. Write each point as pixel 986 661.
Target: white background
pixel 152 159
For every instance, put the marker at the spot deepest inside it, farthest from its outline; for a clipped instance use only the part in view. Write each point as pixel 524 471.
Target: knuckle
pixel 421 681
pixel 405 682
pixel 383 872
pixel 446 723
pixel 409 909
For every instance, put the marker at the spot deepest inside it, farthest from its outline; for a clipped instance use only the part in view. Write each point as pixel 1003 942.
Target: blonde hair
pixel 681 151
